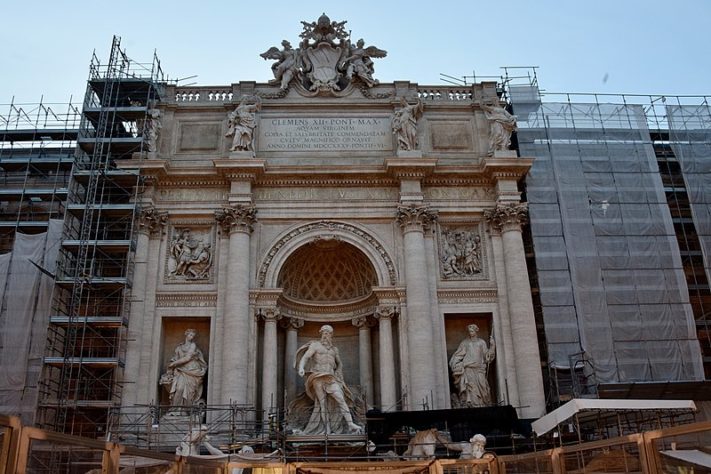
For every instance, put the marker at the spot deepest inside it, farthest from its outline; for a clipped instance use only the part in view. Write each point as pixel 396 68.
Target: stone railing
pixel 203 94
pixel 444 93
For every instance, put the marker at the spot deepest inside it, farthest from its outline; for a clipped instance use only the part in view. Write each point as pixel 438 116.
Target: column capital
pixel 362 322
pixel 151 221
pixel 507 217
pixel 269 313
pixel 415 217
pixel 385 312
pixel 292 323
pixel 240 218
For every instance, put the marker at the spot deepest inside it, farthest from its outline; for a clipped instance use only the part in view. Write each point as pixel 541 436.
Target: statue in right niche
pixel 470 368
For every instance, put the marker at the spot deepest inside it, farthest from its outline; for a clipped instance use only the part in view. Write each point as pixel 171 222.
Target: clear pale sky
pixel 605 46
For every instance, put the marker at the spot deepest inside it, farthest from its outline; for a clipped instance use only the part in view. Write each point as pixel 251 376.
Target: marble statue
pixel 404 124
pixel 477 445
pixel 286 66
pixel 501 125
pixel 320 364
pixel 461 254
pixel 241 123
pixel 470 364
pixel 358 63
pixel 190 443
pixel 153 127
pixel 189 257
pixel 325 61
pixel 185 373
pixel 424 444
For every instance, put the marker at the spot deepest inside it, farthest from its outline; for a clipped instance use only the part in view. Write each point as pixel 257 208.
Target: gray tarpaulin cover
pixel 26 294
pixel 609 270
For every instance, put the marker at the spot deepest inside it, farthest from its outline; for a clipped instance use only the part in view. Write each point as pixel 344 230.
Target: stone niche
pixel 173 334
pixel 455 326
pixel 190 256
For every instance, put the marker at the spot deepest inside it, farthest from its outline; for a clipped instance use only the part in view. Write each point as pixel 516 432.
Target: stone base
pixel 241 155
pixel 505 154
pixel 409 154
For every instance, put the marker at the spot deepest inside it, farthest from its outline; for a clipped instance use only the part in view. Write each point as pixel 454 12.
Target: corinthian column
pixel 365 361
pixel 388 394
pixel 292 327
pixel 507 219
pixel 269 359
pixel 420 340
pixel 237 222
pixel 148 221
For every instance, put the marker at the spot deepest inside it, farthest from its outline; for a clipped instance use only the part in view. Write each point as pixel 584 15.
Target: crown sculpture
pixel 326 61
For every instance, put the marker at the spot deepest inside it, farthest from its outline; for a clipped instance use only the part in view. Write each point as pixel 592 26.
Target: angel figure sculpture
pixel 286 66
pixel 358 62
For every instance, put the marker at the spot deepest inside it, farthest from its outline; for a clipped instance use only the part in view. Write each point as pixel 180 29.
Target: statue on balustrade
pixel 186 372
pixel 501 125
pixel 241 123
pixel 328 400
pixel 404 124
pixel 470 367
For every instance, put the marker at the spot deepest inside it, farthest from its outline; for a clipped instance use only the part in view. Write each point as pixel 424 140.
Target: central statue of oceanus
pixel 325 407
pixel 326 59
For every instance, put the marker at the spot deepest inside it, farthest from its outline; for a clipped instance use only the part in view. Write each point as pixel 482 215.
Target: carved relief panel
pixel 190 255
pixel 461 253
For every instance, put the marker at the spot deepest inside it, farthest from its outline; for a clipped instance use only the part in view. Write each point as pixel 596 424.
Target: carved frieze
pixel 190 255
pixel 181 299
pixel 460 254
pixel 506 217
pixel 467 296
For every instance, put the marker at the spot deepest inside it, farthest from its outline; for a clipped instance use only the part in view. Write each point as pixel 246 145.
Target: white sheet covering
pixel 564 413
pixel 24 318
pixel 610 275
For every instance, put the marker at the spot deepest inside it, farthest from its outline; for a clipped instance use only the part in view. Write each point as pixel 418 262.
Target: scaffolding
pixel 84 356
pixel 619 254
pixel 37 143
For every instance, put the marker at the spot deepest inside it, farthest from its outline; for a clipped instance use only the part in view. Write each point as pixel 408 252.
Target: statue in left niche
pixel 241 123
pixel 185 372
pixel 190 258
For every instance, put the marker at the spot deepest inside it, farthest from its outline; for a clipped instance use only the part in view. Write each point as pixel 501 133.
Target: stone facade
pixel 322 216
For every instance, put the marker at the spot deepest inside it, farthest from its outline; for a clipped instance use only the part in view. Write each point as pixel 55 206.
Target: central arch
pixel 293 239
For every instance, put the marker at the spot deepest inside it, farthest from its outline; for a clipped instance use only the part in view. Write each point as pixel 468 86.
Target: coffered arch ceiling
pixel 327 271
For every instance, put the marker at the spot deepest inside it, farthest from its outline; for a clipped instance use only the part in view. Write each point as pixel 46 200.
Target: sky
pixel 604 46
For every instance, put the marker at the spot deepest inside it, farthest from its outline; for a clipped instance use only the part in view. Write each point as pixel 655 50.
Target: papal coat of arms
pixel 326 59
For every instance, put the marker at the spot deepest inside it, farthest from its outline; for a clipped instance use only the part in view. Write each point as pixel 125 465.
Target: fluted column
pixel 420 338
pixel 365 361
pixel 292 326
pixel 388 390
pixel 148 221
pixel 507 219
pixel 269 358
pixel 237 222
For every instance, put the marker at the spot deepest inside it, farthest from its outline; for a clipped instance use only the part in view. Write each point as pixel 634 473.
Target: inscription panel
pixel 325 134
pixel 326 194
